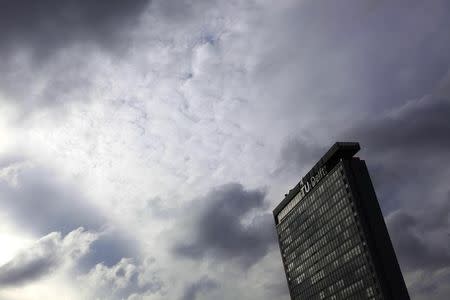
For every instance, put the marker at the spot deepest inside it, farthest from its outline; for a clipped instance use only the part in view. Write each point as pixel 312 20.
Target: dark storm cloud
pixel 421 238
pixel 42 203
pixel 203 285
pixel 278 289
pixel 45 26
pixel 46 47
pixel 410 140
pixel 350 56
pixel 218 231
pixel 419 128
pixel 180 10
pixel 298 154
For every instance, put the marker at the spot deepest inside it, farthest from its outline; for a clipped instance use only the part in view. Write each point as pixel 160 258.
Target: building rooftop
pixel 338 151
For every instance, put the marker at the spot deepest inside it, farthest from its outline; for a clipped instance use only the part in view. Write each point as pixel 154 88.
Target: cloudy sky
pixel 144 144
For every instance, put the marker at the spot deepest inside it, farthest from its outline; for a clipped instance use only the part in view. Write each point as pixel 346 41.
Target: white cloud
pixel 116 277
pixel 121 280
pixel 46 256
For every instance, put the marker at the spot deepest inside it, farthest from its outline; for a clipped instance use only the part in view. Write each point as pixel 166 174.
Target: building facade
pixel 332 236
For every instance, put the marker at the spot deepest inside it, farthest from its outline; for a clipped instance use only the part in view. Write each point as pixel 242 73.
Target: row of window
pixel 334 276
pixel 285 211
pixel 323 189
pixel 352 231
pixel 341 284
pixel 363 287
pixel 309 232
pixel 301 215
pixel 347 270
pixel 320 262
pixel 301 229
pixel 326 228
pixel 332 230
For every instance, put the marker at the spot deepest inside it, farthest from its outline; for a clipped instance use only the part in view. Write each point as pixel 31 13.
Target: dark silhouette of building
pixel 332 236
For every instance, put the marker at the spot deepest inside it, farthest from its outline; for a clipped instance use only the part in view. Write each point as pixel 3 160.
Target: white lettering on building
pixel 305 188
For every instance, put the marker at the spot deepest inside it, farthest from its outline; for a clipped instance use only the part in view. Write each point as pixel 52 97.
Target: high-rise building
pixel 333 240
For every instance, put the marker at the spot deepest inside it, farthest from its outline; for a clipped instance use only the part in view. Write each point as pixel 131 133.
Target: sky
pixel 144 144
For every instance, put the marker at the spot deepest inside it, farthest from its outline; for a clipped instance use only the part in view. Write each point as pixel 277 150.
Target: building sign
pixel 305 188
